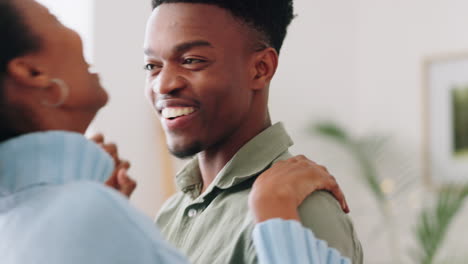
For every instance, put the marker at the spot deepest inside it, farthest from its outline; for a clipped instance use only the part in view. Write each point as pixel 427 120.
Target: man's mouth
pixel 172 113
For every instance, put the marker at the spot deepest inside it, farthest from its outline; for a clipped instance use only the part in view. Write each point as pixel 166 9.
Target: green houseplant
pixel 433 222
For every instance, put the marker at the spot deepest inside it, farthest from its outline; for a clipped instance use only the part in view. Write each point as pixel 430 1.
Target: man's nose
pixel 168 82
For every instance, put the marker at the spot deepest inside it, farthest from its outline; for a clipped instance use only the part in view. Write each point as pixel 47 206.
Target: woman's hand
pixel 278 192
pixel 119 179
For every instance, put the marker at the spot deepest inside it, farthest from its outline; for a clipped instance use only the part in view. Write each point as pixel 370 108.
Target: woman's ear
pixel 41 88
pixel 263 68
pixel 22 70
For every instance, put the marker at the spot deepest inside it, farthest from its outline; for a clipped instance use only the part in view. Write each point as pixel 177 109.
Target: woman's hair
pixel 16 40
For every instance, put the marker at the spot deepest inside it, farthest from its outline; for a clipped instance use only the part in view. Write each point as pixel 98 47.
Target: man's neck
pixel 213 160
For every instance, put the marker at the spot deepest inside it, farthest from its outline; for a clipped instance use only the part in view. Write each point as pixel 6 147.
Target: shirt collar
pixel 252 159
pixel 54 157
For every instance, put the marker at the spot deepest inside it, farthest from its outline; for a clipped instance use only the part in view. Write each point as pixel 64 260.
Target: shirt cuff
pixel 280 241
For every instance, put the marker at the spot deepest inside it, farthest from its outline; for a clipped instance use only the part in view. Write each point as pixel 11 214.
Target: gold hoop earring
pixel 64 92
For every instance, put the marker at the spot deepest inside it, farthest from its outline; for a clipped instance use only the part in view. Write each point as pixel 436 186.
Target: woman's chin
pixel 103 99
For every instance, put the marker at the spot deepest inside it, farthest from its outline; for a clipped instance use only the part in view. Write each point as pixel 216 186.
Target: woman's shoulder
pixel 85 196
pixel 78 213
pixel 95 224
pixel 88 203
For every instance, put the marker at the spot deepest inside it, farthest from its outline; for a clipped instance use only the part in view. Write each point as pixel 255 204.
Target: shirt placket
pixel 190 216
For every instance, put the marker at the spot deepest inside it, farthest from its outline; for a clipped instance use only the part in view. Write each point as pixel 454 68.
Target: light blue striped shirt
pixel 54 209
pixel 288 242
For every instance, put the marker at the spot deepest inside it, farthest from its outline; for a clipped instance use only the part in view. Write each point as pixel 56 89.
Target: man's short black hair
pixel 270 18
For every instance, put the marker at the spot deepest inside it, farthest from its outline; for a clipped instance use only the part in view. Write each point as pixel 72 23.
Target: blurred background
pixel 354 91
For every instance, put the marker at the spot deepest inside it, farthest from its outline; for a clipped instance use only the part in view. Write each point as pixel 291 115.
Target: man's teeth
pixel 177 112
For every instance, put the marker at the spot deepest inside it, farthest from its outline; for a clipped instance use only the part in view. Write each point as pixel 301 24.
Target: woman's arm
pixel 279 241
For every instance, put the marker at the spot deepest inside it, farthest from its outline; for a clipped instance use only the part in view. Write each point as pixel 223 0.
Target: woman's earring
pixel 64 91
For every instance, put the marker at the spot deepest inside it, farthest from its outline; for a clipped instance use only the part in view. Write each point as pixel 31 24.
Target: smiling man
pixel 210 64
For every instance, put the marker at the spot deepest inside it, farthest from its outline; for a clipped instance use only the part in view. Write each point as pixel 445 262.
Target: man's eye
pixel 149 67
pixel 192 61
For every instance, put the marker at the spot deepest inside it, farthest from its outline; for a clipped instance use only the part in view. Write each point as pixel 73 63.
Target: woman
pixel 53 205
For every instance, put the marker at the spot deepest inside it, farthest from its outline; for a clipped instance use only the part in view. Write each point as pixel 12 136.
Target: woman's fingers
pixel 119 180
pixel 98 138
pixel 127 185
pixel 340 197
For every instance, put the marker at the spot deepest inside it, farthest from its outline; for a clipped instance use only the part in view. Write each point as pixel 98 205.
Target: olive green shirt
pixel 216 226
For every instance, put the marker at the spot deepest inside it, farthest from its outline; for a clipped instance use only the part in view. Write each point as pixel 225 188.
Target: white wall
pixel 78 15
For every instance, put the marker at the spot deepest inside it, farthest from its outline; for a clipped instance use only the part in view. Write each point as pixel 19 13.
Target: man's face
pixel 197 59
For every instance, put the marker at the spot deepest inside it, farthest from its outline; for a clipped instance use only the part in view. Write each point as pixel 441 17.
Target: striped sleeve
pixel 279 241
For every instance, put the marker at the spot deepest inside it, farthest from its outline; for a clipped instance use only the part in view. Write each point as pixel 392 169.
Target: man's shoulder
pixel 321 213
pixel 284 156
pixel 323 202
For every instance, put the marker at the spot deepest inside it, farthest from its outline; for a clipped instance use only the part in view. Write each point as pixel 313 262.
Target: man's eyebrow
pixel 148 51
pixel 183 47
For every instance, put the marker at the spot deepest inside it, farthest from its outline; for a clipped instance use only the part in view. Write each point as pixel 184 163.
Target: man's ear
pixel 23 71
pixel 263 68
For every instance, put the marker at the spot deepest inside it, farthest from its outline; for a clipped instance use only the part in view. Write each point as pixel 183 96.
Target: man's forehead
pixel 193 18
pixel 172 29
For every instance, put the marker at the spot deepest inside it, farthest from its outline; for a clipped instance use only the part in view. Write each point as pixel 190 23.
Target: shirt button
pixel 192 213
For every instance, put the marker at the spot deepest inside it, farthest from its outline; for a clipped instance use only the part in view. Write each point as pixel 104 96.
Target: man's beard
pixel 187 152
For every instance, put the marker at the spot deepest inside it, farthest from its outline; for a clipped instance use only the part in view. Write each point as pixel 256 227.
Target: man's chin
pixel 186 151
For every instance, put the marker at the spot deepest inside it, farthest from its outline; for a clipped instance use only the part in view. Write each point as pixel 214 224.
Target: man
pixel 210 63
